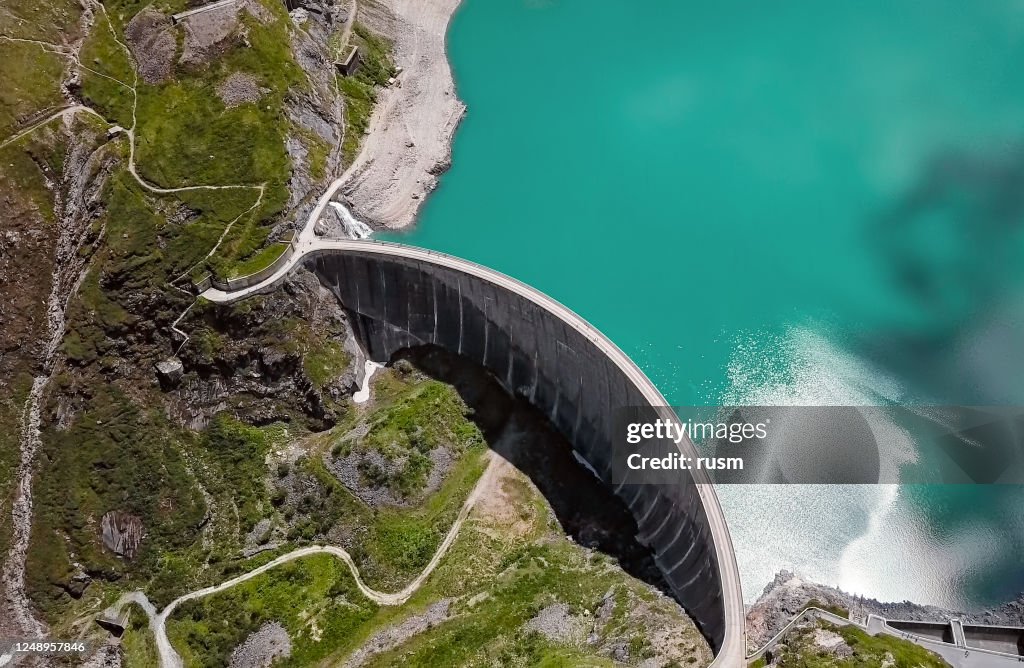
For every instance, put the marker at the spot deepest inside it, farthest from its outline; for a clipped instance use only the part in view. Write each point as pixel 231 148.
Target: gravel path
pixel 169 658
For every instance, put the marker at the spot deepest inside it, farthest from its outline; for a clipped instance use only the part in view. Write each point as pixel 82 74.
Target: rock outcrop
pixel 122 533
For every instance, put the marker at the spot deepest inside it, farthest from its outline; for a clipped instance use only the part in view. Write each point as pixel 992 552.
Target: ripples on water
pixel 950 546
pixel 804 202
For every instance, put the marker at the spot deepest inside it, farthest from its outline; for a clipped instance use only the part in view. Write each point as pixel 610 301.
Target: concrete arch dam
pixel 399 297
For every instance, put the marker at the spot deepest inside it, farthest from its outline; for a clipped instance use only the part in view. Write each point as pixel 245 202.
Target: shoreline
pixel 409 140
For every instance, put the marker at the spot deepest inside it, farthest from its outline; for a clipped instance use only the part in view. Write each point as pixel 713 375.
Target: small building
pixel 115 620
pixel 348 65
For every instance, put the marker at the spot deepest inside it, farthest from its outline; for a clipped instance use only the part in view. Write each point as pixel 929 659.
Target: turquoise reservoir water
pixel 801 202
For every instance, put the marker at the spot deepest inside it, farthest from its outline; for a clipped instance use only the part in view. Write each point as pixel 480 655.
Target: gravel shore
pixel 410 133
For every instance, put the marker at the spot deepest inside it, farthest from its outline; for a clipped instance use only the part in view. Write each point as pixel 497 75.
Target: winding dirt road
pixel 169 658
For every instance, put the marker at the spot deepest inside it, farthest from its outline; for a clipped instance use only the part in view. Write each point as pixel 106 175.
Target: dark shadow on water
pixel 952 251
pixel 586 508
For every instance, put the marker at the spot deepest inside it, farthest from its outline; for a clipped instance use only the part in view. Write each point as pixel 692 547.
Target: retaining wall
pixel 232 284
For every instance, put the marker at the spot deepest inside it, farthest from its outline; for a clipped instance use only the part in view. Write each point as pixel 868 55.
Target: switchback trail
pixel 169 658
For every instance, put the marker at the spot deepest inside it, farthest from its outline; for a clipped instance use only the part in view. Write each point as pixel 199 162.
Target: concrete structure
pixel 115 620
pixel 255 278
pixel 177 18
pixel 960 645
pixel 1004 639
pixel 957 627
pixel 934 630
pixel 350 62
pixel 398 296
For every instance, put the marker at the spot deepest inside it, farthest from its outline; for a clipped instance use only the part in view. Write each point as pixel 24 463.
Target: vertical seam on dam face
pixel 574 381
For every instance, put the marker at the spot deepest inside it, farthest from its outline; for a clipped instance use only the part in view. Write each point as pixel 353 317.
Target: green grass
pixel 29 76
pixel 137 643
pixel 239 453
pixel 102 53
pixel 391 545
pixel 324 363
pixel 425 415
pixel 520 575
pixel 31 84
pixel 187 137
pixel 92 476
pixel 402 542
pixel 428 416
pixel 867 648
pixel 22 166
pixel 521 571
pixel 376 67
pixel 317 150
pixel 836 610
pixel 132 260
pixel 259 261
pixel 799 651
pixel 31 19
pixel 314 598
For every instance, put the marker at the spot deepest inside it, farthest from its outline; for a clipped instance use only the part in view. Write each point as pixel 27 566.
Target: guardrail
pixel 813 611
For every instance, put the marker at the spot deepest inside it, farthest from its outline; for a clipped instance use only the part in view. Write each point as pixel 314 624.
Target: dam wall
pixel 542 352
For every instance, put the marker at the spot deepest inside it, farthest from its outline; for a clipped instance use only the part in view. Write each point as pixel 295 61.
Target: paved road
pixel 733 647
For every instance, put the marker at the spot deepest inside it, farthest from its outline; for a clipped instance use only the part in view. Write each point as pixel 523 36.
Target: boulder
pixel 170 372
pixel 122 533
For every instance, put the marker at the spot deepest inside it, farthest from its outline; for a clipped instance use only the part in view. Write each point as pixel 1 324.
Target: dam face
pixel 396 302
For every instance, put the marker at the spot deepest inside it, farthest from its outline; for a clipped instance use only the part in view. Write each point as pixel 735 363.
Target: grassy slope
pixel 30 77
pixel 259 261
pixel 117 453
pixel 87 476
pixel 359 90
pixel 187 137
pixel 391 545
pixel 868 651
pixel 315 599
pixel 115 450
pixel 499 574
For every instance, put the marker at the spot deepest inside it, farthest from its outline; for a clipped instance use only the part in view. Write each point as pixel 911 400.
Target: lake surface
pixel 791 203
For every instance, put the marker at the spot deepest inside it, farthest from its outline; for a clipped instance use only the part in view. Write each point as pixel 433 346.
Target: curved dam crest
pixel 400 297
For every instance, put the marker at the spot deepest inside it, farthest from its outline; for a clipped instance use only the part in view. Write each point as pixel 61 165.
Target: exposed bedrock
pixel 396 302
